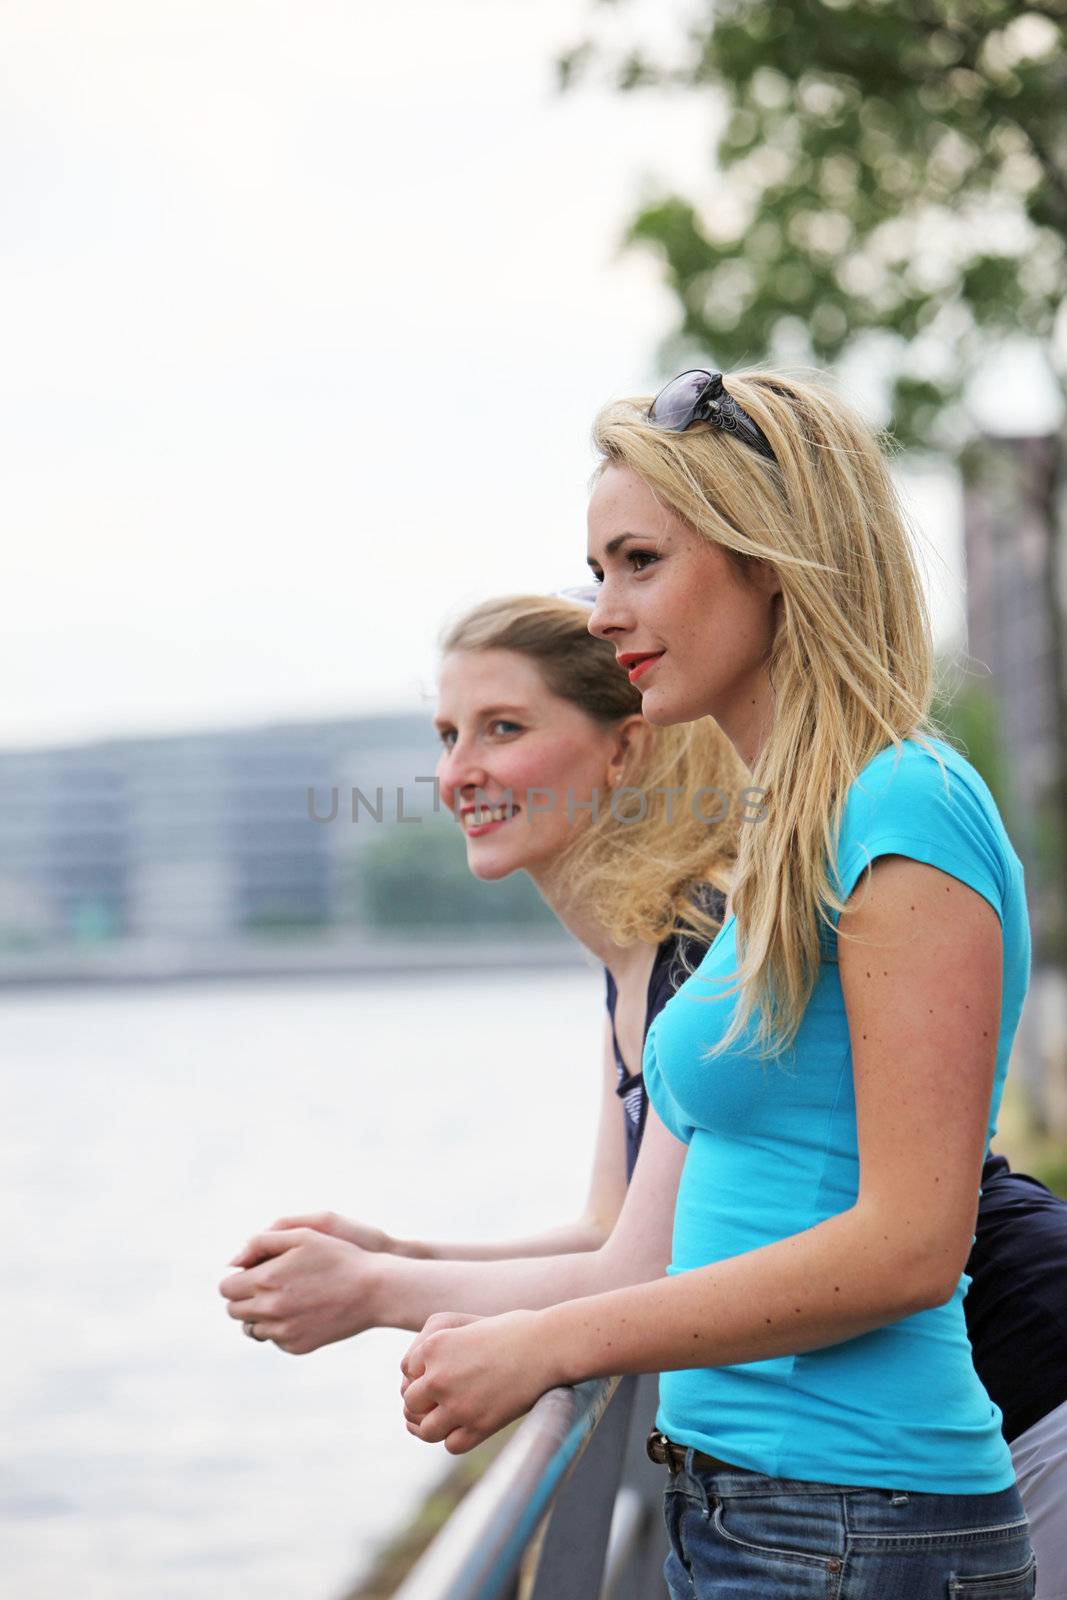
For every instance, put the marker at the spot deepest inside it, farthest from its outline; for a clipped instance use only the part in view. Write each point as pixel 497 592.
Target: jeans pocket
pixel 1020 1583
pixel 803 1531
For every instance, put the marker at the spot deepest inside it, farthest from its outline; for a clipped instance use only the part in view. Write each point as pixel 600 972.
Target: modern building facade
pixel 201 835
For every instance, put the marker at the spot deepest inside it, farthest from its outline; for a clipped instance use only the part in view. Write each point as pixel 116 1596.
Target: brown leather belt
pixel 666 1453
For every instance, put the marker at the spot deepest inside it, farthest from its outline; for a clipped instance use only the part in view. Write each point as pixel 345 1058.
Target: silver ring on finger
pixel 250 1329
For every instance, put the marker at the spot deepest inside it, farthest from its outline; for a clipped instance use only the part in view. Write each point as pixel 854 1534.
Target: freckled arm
pixel 921 978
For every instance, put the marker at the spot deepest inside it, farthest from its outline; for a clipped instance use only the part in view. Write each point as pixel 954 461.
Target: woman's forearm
pixel 828 1284
pixel 403 1292
pixel 842 1278
pixel 583 1234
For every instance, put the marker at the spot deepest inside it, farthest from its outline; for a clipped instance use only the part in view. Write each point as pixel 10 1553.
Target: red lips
pixel 636 662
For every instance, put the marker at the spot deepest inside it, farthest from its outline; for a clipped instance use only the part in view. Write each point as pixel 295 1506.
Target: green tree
pixel 971 716
pixel 891 175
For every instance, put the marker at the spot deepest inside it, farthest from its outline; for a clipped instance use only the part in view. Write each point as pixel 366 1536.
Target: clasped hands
pixel 307 1281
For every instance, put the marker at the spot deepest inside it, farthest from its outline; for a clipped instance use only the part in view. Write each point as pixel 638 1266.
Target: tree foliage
pixel 891 176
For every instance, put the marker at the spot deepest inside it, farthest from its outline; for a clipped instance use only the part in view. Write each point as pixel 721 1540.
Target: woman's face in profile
pixel 506 736
pixel 668 593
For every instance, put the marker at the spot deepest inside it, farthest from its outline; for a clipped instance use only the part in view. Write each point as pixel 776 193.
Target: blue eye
pixel 502 722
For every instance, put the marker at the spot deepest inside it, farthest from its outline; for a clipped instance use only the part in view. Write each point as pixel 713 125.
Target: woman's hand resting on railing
pixel 440 1319
pixel 465 1378
pixel 301 1288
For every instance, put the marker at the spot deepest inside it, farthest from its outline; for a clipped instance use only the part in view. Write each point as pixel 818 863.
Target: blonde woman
pixel 834 1068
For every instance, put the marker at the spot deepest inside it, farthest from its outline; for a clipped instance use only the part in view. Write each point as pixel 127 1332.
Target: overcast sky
pixel 306 312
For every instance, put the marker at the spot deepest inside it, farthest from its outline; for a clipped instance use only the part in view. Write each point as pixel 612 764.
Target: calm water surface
pixel 150 1451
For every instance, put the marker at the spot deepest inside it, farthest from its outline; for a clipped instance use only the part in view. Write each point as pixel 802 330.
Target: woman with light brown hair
pixel 629 833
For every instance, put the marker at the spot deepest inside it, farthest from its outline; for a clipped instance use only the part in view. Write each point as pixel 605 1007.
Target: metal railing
pixel 569 1509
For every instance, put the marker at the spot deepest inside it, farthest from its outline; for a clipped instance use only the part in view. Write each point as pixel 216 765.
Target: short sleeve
pixel 904 803
pixel 660 1098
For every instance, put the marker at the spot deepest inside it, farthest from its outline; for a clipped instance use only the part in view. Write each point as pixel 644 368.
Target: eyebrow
pixel 616 544
pixel 485 711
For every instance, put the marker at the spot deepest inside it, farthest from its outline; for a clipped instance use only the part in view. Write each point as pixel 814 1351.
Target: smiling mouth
pixel 484 815
pixel 636 668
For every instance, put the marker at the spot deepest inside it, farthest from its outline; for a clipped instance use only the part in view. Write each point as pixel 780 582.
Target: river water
pixel 149 1450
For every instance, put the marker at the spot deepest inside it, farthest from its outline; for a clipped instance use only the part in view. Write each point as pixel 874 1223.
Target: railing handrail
pixel 479 1549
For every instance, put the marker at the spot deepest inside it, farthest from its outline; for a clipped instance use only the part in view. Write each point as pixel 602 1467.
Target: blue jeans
pixel 743 1536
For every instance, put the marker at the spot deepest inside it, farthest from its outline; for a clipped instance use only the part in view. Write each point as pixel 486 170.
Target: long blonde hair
pixel 641 876
pixel 851 666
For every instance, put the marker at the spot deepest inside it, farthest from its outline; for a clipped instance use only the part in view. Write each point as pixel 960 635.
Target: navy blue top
pixel 1016 1304
pixel 667 973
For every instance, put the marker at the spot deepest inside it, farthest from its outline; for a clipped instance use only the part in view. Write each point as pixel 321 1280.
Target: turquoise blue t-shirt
pixel 773 1151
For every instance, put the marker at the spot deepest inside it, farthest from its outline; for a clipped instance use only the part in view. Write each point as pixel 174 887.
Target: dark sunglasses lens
pixel 673 407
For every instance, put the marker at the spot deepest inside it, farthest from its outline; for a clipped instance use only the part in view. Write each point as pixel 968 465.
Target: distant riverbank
pixel 165 961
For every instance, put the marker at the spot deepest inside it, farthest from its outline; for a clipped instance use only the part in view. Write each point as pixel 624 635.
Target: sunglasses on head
pixel 699 396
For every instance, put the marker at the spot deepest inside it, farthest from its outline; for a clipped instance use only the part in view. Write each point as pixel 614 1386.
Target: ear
pixel 630 736
pixel 768 579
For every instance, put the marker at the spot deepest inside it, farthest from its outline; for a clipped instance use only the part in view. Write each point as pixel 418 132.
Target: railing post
pixel 638 1545
pixel 573 1544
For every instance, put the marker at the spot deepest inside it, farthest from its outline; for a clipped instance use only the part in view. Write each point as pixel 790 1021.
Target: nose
pixel 607 619
pixel 460 769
